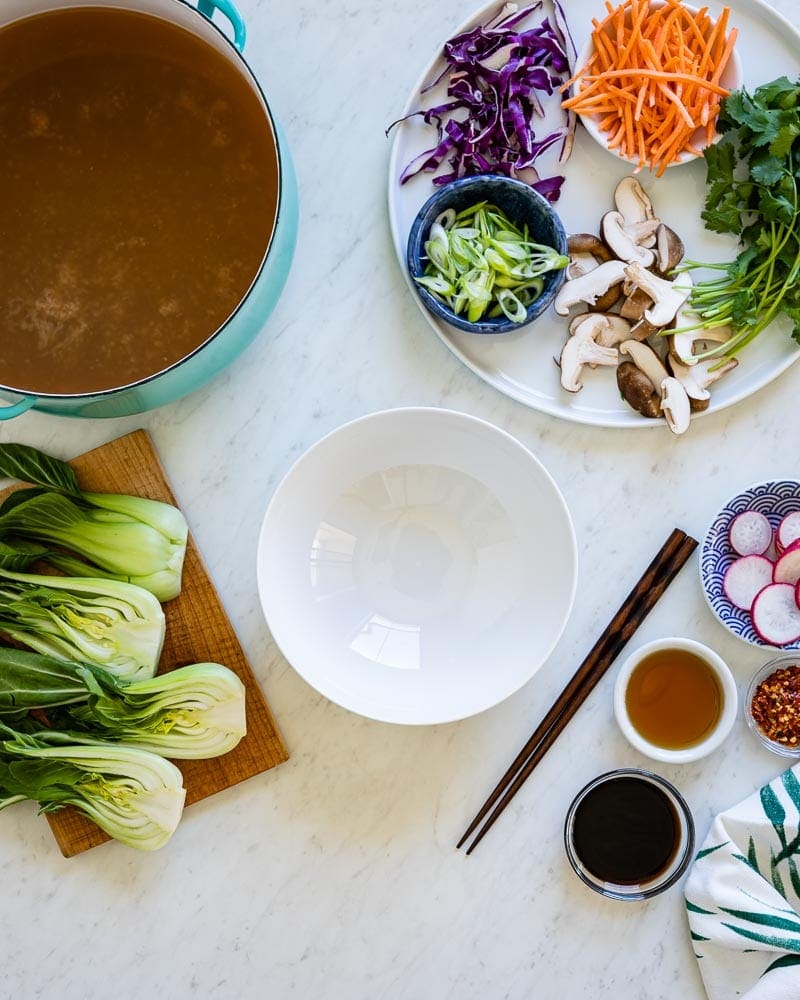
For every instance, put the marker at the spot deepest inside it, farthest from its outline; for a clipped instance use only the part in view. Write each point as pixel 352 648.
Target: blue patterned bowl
pixel 522 205
pixel 775 499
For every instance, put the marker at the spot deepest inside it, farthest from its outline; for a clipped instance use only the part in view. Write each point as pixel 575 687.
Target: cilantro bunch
pixel 753 191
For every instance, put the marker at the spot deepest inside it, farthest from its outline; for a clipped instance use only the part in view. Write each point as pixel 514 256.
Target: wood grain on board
pixel 198 630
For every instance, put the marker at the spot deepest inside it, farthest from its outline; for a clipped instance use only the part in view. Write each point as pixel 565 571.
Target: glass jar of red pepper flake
pixel 773 705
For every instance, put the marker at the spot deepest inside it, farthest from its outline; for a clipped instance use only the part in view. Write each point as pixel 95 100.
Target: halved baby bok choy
pixel 115 625
pixel 125 538
pixel 196 711
pixel 135 796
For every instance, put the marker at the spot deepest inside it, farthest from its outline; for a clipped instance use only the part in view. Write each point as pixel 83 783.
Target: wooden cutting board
pixel 198 630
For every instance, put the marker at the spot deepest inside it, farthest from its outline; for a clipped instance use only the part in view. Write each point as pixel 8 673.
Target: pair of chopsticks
pixel 637 605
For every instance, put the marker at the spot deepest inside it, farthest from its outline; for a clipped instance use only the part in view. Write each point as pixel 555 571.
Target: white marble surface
pixel 335 875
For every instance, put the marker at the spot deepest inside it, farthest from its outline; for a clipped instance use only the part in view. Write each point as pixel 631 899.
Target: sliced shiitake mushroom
pixel 643 329
pixel 607 329
pixel 669 250
pixel 607 301
pixel 588 243
pixel 623 242
pixel 635 304
pixel 586 252
pixel 590 287
pixel 638 391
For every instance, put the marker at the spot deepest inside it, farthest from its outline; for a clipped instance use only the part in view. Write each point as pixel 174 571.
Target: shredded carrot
pixel 653 84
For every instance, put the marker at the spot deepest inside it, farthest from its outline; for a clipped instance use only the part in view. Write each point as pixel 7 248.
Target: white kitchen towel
pixel 743 897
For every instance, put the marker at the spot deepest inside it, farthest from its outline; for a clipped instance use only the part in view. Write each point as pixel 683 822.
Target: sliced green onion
pixel 479 263
pixel 511 306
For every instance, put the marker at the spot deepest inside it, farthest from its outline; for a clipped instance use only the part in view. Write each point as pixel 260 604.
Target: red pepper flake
pixel 776 706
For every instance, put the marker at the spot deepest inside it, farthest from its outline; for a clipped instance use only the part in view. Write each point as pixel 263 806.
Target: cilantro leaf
pixel 784 140
pixel 723 205
pixel 781 93
pixel 753 191
pixel 766 167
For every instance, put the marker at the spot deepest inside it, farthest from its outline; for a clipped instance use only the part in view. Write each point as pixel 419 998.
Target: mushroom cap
pixel 581 350
pixel 606 329
pixel 586 252
pixel 675 404
pixel 644 233
pixel 667 296
pixel 588 243
pixel 683 342
pixel 607 300
pixel 646 360
pixel 581 263
pixel 632 201
pixel 696 378
pixel 589 287
pixel 622 242
pixel 637 390
pixel 685 375
pixel 669 249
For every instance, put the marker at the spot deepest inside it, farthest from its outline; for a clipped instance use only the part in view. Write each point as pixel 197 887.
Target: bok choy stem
pixel 137 797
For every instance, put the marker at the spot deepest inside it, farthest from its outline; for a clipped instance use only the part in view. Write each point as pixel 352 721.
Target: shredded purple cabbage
pixel 496 74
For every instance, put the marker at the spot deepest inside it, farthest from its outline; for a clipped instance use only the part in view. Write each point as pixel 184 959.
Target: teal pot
pixel 241 327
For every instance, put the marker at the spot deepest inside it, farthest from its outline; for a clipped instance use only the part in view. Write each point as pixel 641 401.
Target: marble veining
pixel 334 877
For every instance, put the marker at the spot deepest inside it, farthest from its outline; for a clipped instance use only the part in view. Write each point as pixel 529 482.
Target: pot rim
pixel 115 390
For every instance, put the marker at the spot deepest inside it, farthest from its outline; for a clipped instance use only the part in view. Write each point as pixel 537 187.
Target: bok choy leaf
pixel 135 796
pixel 115 625
pixel 131 539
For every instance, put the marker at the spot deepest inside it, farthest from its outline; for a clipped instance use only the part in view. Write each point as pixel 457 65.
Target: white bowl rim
pixel 730 701
pixel 590 125
pixel 436 412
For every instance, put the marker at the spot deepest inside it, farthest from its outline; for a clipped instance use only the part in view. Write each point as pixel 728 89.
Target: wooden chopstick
pixel 667 552
pixel 637 605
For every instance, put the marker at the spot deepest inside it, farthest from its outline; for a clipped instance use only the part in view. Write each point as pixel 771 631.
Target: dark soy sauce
pixel 625 831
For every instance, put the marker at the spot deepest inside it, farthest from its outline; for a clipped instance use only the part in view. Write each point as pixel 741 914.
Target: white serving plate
pixel 521 365
pixel 417 565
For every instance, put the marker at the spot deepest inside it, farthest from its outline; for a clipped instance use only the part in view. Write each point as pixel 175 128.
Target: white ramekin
pixel 727 716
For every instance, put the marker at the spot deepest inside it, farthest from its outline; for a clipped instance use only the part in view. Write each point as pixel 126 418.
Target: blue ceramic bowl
pixel 774 499
pixel 522 205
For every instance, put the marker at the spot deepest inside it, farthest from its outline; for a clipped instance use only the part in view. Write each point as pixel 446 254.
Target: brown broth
pixel 139 191
pixel 673 699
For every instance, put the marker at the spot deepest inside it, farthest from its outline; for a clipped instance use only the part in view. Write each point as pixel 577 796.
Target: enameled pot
pixel 241 327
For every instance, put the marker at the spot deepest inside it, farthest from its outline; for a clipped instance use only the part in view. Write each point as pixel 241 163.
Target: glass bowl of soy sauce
pixel 629 834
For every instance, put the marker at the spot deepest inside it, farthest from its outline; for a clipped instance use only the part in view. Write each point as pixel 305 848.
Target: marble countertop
pixel 334 876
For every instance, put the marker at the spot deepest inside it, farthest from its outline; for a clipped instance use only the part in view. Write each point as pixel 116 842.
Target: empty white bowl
pixel 417 565
pixel 728 695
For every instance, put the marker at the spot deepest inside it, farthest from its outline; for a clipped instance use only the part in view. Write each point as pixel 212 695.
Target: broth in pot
pixel 139 193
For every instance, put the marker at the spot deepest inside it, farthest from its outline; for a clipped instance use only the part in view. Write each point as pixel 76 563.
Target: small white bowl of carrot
pixel 649 81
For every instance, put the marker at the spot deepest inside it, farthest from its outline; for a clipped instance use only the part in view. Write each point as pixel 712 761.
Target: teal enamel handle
pixel 207 7
pixel 15 409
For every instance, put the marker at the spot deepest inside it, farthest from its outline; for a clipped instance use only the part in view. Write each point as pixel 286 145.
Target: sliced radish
pixel 788 532
pixel 745 578
pixel 750 533
pixel 787 568
pixel 776 616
